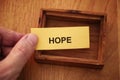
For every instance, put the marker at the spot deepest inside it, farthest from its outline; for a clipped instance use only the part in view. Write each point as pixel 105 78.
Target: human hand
pixel 17 49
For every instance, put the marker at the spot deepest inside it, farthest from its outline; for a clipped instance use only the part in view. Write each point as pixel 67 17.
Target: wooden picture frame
pixel 92 57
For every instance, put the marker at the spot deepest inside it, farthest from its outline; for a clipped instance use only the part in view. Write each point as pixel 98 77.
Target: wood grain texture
pixel 21 15
pixel 118 14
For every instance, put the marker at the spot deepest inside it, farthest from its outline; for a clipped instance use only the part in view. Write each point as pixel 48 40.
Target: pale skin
pixel 17 49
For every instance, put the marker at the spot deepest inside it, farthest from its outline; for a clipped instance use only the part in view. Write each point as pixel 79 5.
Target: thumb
pixel 22 51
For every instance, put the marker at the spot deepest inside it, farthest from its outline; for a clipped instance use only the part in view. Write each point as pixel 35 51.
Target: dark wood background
pixel 21 15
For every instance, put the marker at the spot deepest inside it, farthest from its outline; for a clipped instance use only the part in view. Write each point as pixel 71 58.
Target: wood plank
pixel 118 14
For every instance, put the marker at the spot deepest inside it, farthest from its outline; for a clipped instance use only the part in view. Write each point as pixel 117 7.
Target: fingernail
pixel 32 38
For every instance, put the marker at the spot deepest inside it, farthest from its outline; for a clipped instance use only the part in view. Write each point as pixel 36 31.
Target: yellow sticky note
pixel 62 38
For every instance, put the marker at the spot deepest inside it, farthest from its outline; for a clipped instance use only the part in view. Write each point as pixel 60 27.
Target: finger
pixel 21 52
pixel 9 38
pixel 0 48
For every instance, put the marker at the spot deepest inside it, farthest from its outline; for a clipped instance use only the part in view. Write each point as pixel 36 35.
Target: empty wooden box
pixel 92 57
